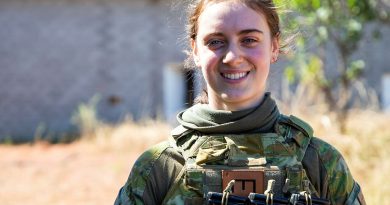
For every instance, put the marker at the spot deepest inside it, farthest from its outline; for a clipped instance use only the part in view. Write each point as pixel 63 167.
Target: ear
pixel 195 52
pixel 275 48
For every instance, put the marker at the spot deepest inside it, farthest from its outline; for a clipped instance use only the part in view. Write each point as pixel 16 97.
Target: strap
pixel 188 143
pixel 356 196
pixel 179 131
pixel 294 128
pixel 226 192
pixel 175 184
pixel 297 123
pixel 301 125
pixel 298 130
pixel 270 192
pixel 178 141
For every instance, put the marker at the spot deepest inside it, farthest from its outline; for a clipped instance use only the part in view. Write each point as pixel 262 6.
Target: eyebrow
pixel 246 31
pixel 215 34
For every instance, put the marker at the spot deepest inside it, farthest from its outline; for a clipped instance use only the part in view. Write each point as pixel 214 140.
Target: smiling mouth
pixel 235 76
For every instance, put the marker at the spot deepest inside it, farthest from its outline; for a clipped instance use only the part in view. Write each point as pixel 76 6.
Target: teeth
pixel 234 76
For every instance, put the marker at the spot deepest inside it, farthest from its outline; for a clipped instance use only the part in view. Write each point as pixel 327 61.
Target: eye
pixel 215 43
pixel 250 42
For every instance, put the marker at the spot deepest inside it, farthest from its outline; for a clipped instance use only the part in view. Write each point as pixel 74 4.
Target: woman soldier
pixel 235 140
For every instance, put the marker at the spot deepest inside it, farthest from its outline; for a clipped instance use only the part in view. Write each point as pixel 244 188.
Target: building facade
pixel 55 55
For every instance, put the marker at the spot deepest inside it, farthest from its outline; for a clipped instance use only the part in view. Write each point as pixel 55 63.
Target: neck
pixel 219 104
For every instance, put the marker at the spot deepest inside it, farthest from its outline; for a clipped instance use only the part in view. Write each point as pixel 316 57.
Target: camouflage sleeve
pixel 123 198
pixel 132 192
pixel 151 176
pixel 342 188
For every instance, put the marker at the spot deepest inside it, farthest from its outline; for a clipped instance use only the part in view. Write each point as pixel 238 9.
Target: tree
pixel 341 22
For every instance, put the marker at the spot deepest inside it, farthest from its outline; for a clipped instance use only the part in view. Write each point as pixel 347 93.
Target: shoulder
pixel 296 123
pixel 161 159
pixel 297 130
pixel 323 148
pixel 294 128
pixel 154 156
pixel 335 171
pixel 146 160
pixel 329 156
pixel 324 164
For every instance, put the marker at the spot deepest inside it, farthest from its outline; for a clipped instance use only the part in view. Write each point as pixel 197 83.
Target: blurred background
pixel 87 85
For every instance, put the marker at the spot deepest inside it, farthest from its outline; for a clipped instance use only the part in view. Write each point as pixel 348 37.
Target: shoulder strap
pixel 179 131
pixel 301 132
pixel 186 141
pixel 137 181
pixel 301 125
pixel 294 128
pixel 297 123
pixel 356 196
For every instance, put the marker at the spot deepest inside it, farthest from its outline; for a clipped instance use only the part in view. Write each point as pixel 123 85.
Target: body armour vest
pixel 251 160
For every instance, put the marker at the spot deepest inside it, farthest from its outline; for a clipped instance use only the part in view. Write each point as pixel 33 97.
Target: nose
pixel 233 55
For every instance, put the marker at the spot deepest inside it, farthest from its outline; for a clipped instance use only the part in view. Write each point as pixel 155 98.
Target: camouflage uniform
pixel 160 168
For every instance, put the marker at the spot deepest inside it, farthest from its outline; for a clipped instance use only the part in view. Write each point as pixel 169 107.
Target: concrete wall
pixel 55 55
pixel 373 50
pixel 376 54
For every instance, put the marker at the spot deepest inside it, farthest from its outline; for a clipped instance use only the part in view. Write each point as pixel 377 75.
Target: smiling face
pixel 234 49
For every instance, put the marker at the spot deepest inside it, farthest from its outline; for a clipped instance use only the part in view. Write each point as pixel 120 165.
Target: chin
pixel 231 97
pixel 234 99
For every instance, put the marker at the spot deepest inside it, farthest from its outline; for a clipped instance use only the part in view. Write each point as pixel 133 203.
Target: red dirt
pixel 76 173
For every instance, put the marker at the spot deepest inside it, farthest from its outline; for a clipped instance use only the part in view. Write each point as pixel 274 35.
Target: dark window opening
pixel 190 87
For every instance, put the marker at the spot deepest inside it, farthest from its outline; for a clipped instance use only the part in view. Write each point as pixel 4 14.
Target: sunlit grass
pixel 128 135
pixel 364 146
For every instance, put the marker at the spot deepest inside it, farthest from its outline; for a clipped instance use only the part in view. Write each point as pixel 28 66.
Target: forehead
pixel 231 15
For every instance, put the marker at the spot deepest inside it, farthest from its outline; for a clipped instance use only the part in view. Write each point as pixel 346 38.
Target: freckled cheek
pixel 209 68
pixel 210 61
pixel 258 53
pixel 259 57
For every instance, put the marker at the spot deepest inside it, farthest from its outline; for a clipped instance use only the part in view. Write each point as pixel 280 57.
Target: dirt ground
pixel 76 173
pixel 92 170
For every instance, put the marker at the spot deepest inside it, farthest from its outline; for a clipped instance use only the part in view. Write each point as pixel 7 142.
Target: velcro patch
pixel 246 181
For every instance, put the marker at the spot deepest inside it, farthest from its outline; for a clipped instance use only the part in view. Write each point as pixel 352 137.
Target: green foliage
pixel 339 21
pixel 85 117
pixel 355 69
pixel 39 132
pixel 290 74
pixel 329 22
pixel 7 140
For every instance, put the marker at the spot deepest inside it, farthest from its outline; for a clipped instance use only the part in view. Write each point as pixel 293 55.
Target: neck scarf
pixel 202 118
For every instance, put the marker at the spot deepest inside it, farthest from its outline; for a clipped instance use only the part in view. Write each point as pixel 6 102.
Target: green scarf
pixel 202 118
